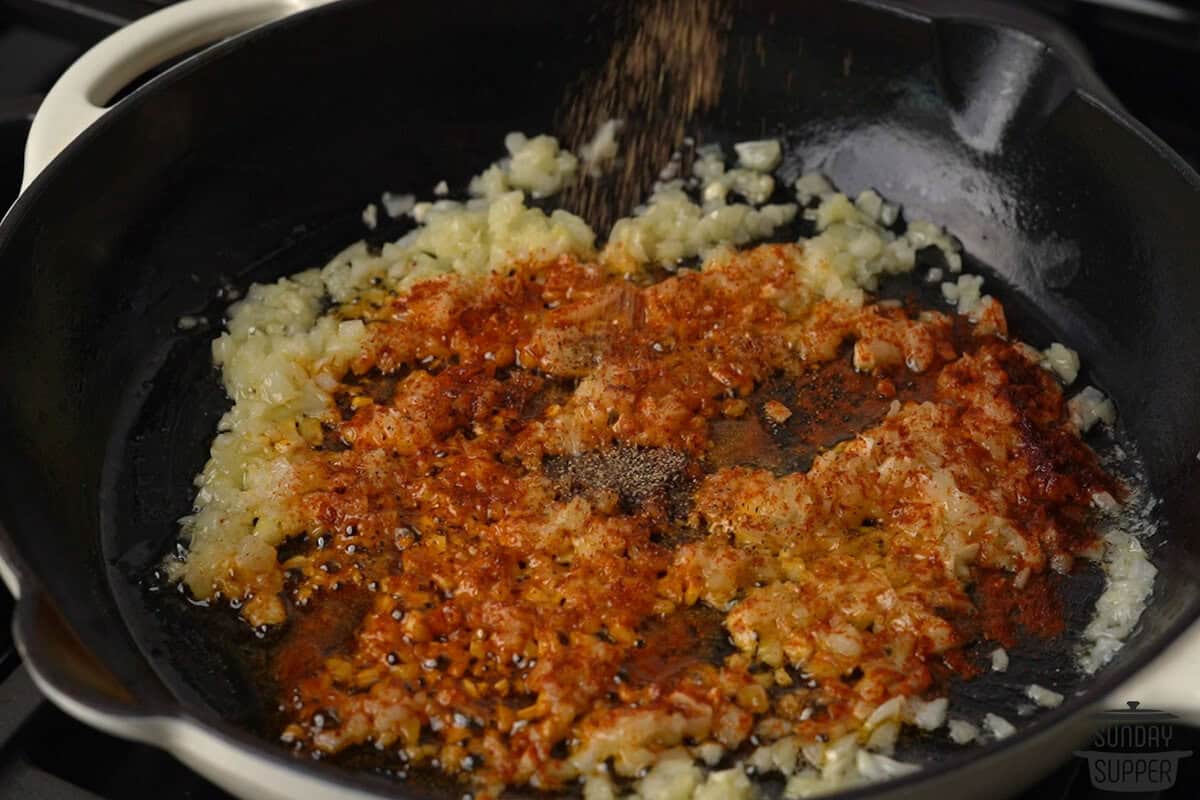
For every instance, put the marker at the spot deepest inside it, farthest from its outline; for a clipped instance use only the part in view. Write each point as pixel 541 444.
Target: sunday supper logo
pixel 1132 753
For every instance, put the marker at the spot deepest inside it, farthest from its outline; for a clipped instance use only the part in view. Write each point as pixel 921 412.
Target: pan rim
pixel 1098 688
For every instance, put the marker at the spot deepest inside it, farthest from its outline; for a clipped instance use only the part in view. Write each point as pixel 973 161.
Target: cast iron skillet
pixel 255 158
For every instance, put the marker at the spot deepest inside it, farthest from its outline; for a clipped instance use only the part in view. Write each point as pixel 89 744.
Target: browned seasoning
pixel 562 503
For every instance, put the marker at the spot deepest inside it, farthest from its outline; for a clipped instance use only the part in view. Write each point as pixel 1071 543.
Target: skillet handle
pixel 1171 682
pixel 65 670
pixel 83 93
pixel 67 673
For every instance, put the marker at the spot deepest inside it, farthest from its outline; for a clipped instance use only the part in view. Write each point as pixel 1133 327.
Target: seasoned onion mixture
pixel 531 513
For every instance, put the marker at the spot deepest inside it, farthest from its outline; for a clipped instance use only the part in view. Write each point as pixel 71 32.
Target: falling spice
pixel 664 69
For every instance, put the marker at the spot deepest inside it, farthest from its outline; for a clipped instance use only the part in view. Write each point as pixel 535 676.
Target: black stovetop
pixel 1146 50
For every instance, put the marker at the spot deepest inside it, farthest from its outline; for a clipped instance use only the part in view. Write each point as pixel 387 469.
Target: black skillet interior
pixel 256 160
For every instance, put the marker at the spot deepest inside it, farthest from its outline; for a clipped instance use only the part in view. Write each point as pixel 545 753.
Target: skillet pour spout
pixel 254 158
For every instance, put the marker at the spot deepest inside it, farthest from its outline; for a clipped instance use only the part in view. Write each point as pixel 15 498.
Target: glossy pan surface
pixel 255 159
